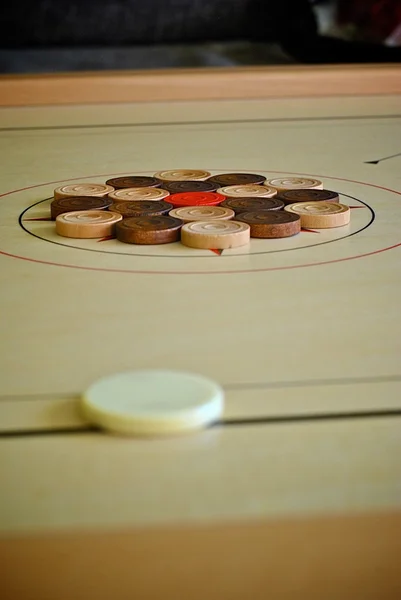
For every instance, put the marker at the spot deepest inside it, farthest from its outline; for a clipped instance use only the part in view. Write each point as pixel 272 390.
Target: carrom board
pixel 296 492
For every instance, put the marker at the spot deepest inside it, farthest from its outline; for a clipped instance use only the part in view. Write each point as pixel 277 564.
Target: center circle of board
pixel 333 197
pixel 257 189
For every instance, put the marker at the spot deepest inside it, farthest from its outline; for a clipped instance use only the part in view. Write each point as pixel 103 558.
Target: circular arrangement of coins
pixel 197 208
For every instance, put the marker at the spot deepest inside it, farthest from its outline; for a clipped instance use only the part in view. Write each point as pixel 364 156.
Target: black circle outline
pixel 224 256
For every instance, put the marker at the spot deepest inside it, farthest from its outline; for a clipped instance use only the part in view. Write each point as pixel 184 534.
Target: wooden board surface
pixel 304 335
pixel 342 557
pixel 201 84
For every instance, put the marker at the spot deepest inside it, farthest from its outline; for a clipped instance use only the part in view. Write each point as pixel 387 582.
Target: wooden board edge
pixel 199 84
pixel 333 557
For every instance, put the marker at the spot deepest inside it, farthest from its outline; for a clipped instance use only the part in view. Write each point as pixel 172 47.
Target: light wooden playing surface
pixel 303 333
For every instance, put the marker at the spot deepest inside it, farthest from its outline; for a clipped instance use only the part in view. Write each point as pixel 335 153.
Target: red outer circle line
pixel 242 271
pixel 329 262
pixel 31 187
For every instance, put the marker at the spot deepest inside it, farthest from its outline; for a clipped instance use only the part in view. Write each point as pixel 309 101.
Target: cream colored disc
pixel 321 215
pixel 87 224
pixel 215 234
pixel 201 213
pixel 153 402
pixel 82 189
pixel 182 175
pixel 141 193
pixel 247 191
pixel 282 184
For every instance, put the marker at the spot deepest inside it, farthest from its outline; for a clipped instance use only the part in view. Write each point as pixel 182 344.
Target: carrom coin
pixel 86 224
pixel 177 187
pixel 215 234
pixel 141 208
pixel 135 194
pixel 133 181
pixel 149 230
pixel 227 179
pixel 153 402
pixel 321 215
pixel 313 195
pixel 282 184
pixel 82 189
pixel 247 191
pixel 74 203
pixel 182 175
pixel 239 205
pixel 196 199
pixel 271 224
pixel 188 214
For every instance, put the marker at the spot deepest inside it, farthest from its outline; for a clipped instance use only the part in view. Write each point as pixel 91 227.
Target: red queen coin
pixel 196 199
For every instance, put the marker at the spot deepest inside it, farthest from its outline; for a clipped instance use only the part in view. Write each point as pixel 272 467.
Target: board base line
pixel 258 385
pixel 274 420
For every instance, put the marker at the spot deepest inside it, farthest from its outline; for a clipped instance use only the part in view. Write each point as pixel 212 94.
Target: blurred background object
pixel 376 21
pixel 70 35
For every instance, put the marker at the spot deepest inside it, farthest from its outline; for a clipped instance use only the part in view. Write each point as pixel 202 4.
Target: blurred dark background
pixel 69 35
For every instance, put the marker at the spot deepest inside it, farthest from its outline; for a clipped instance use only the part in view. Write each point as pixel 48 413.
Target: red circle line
pixel 31 187
pixel 337 260
pixel 202 272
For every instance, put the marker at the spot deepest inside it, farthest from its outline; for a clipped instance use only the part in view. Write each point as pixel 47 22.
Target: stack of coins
pixel 81 211
pixel 200 209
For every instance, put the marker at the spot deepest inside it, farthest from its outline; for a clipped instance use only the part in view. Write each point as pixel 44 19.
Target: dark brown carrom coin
pixel 133 181
pixel 142 208
pixel 271 224
pixel 64 205
pixel 149 230
pixel 239 205
pixel 177 187
pixel 226 179
pixel 292 196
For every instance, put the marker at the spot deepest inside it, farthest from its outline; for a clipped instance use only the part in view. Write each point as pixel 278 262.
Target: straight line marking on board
pixel 274 420
pixel 259 420
pixel 206 122
pixel 391 412
pixel 275 385
pixel 379 160
pixel 313 383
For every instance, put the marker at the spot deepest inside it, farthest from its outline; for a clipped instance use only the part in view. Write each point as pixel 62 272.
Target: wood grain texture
pixel 200 84
pixel 323 557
